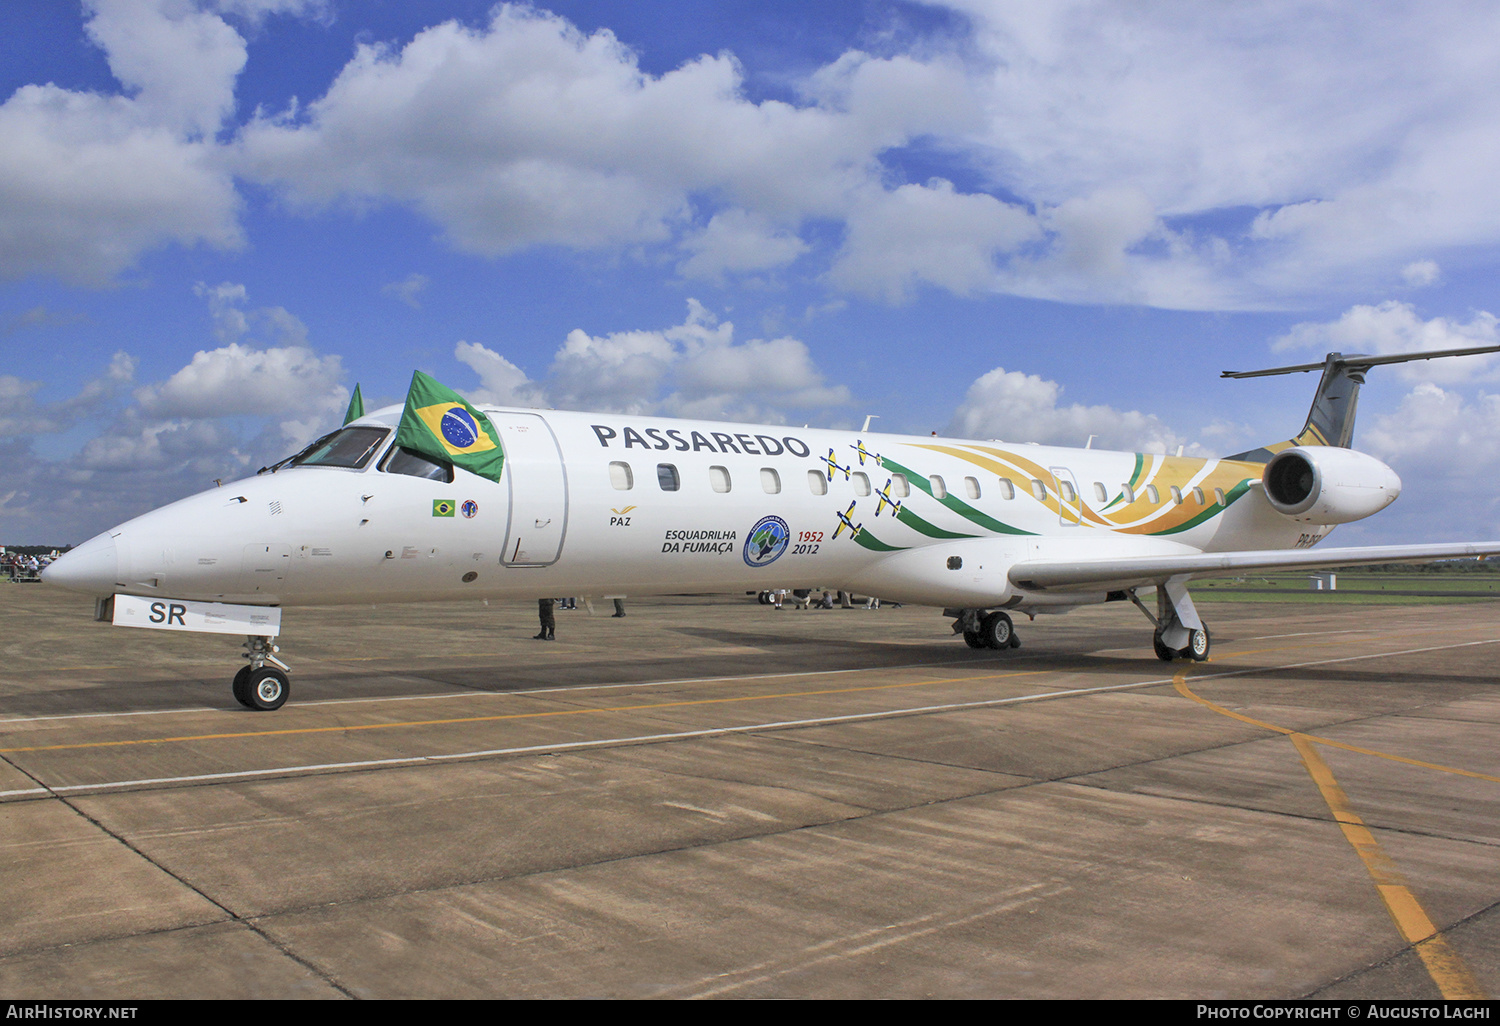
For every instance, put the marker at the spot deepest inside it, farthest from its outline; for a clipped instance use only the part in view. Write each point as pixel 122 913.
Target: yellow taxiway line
pixel 1444 964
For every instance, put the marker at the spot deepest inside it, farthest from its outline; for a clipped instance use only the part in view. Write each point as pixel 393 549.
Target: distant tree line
pixel 1447 566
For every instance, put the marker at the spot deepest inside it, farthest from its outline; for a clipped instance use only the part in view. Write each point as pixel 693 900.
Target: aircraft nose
pixel 91 568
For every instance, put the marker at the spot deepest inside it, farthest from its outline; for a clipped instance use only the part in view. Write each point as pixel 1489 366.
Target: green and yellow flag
pixel 356 408
pixel 437 422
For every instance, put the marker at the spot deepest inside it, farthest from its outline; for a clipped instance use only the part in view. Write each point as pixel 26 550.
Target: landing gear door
pixel 538 487
pixel 1069 502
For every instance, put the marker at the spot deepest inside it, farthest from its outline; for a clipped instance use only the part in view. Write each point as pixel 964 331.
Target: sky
pixel 1034 222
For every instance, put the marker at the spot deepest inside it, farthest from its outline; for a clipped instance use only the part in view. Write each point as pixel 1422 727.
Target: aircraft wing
pixel 1113 573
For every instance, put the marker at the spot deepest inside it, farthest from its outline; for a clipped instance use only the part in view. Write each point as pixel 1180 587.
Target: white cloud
pixel 693 369
pixel 157 445
pixel 180 61
pixel 230 322
pixel 623 370
pixel 236 380
pixel 1017 407
pixel 528 132
pixel 1145 153
pixel 89 182
pixel 87 186
pixel 1361 138
pixel 1440 444
pixel 22 416
pixel 500 381
pixel 1420 273
pixel 927 234
pixel 1395 327
pixel 408 289
pixel 735 241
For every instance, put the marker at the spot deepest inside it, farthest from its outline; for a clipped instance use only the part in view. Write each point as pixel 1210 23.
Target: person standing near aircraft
pixel 549 621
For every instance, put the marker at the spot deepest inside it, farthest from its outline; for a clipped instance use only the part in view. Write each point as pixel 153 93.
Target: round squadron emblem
pixel 766 541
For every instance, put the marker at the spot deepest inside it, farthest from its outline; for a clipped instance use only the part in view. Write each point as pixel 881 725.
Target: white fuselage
pixel 584 507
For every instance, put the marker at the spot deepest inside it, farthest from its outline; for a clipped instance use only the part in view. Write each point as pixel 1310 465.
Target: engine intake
pixel 1320 484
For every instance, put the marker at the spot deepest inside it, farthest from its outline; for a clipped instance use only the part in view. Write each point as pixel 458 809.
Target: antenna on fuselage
pixel 869 417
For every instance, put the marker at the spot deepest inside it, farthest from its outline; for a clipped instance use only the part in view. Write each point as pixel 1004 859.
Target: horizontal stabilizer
pixel 1356 360
pixel 1331 419
pixel 1139 571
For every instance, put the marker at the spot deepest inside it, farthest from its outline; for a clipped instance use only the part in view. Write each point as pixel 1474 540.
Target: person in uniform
pixel 549 621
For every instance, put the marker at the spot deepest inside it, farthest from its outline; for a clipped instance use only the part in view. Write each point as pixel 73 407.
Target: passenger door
pixel 538 486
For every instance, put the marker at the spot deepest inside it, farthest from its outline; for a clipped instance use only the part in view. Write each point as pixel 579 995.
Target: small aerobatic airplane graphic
pixel 883 499
pixel 845 521
pixel 986 529
pixel 833 465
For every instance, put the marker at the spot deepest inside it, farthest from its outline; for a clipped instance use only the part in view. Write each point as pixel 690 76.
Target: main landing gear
pixel 984 630
pixel 1179 633
pixel 259 686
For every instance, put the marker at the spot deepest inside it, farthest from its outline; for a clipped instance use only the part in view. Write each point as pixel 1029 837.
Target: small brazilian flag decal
pixel 443 507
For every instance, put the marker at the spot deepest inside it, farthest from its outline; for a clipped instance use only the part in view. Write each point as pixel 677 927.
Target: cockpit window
pixel 348 447
pixel 402 460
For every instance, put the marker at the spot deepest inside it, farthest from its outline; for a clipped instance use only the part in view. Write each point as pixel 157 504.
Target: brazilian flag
pixel 356 408
pixel 437 422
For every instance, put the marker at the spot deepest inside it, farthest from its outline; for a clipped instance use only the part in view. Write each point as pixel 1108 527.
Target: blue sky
pixel 1032 222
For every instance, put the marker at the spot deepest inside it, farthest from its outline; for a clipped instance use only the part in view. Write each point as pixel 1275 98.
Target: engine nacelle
pixel 1321 484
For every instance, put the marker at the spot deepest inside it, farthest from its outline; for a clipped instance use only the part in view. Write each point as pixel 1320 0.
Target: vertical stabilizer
pixel 1330 421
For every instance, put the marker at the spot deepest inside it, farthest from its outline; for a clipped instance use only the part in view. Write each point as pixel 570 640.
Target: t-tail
pixel 1330 422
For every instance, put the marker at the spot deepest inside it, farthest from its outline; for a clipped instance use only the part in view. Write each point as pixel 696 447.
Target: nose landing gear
pixel 259 686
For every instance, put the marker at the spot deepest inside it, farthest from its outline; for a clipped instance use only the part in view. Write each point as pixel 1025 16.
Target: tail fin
pixel 1330 421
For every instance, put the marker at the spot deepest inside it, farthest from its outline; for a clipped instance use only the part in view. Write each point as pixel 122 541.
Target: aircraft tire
pixel 1163 653
pixel 1198 646
pixel 973 640
pixel 996 630
pixel 238 687
pixel 267 689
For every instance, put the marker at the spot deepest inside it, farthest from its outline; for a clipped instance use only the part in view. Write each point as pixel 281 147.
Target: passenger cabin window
pixel 621 477
pixel 719 478
pixel 1176 494
pixel 1198 496
pixel 971 487
pixel 666 476
pixel 1219 496
pixel 1152 495
pixel 817 483
pixel 1068 494
pixel 939 490
pixel 350 448
pixel 401 460
pixel 1128 492
pixel 900 487
pixel 1038 489
pixel 1007 488
pixel 770 481
pixel 1100 492
pixel 861 483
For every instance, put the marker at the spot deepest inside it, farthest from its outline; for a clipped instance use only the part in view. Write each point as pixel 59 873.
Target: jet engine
pixel 1321 484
